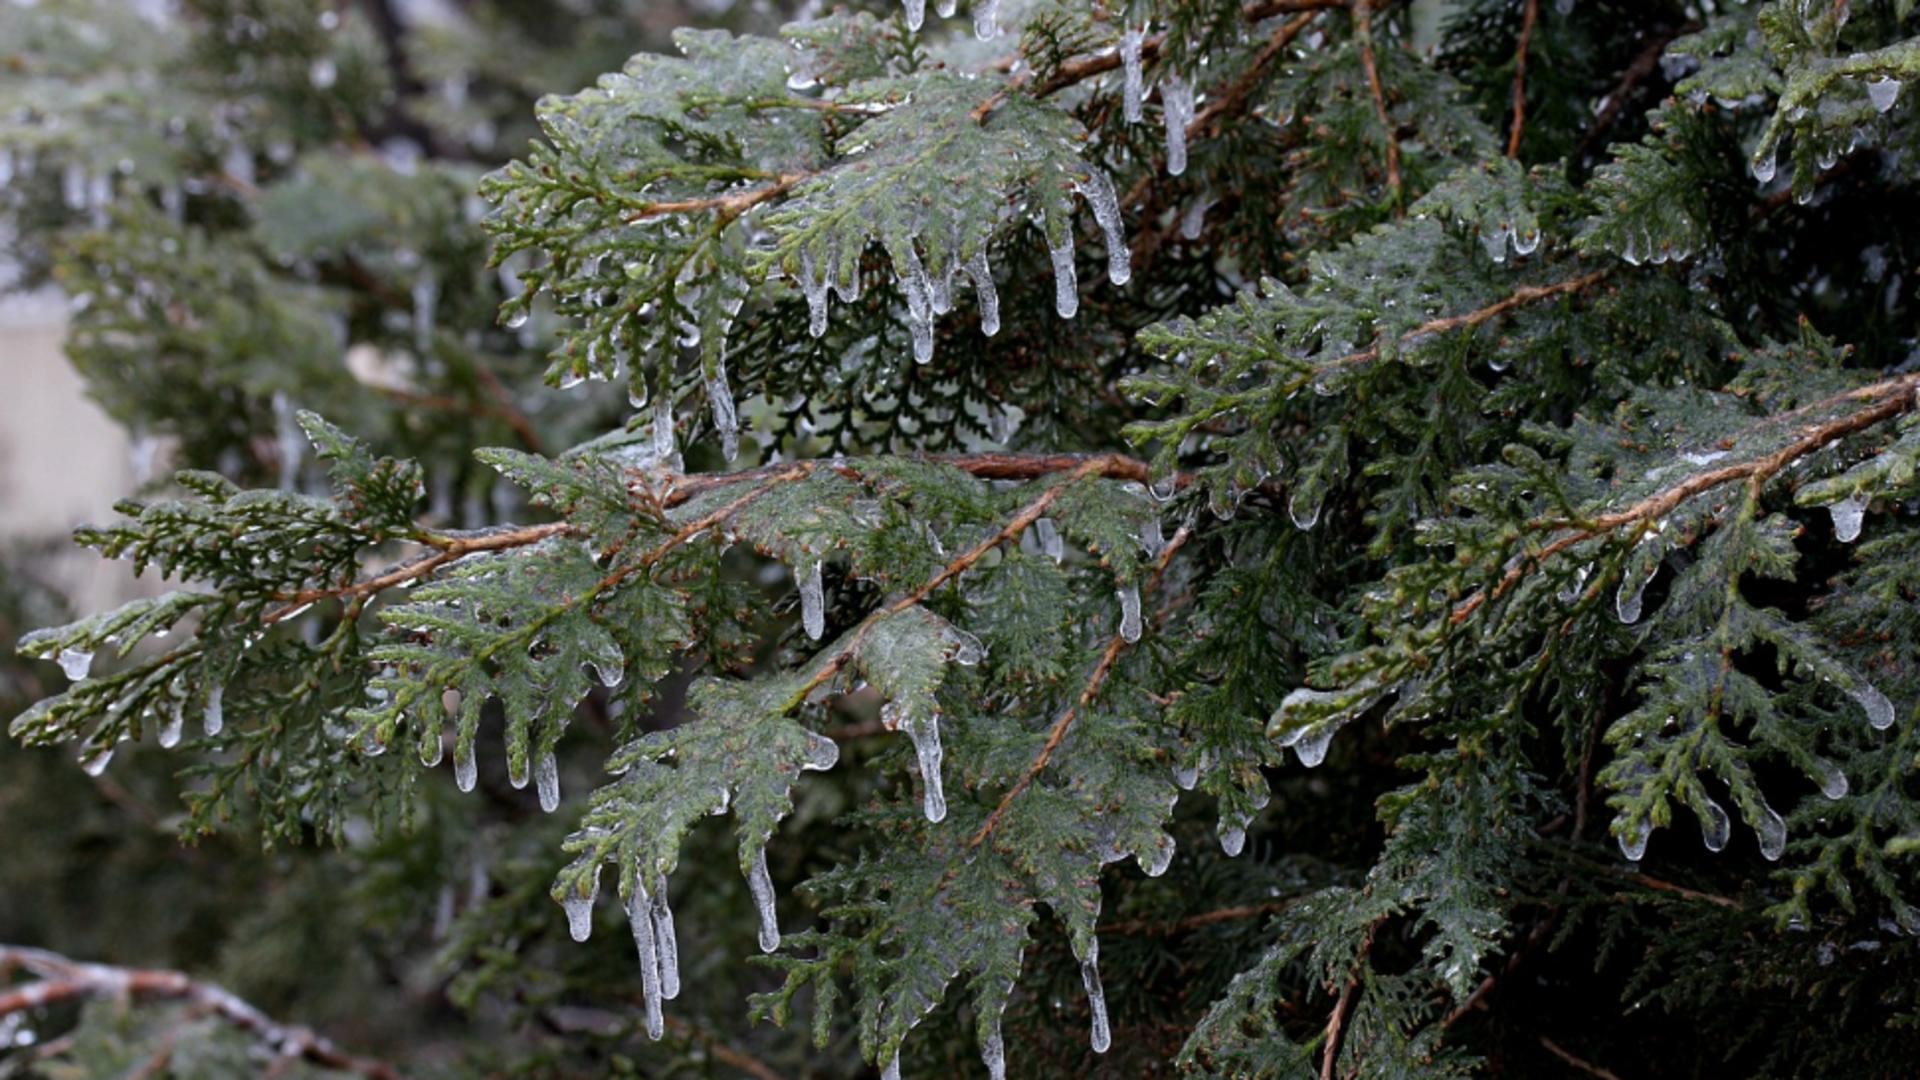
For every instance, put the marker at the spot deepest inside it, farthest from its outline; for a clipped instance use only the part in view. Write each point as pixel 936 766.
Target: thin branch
pixel 1644 64
pixel 502 410
pixel 1584 1066
pixel 1158 928
pixel 447 549
pixel 1344 1006
pixel 1058 734
pixel 1889 398
pixel 1363 32
pixel 1527 22
pixel 1236 94
pixel 62 979
pixel 730 204
pixel 986 466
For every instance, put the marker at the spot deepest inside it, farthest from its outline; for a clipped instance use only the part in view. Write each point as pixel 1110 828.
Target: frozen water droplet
pixel 1233 837
pixel 1194 219
pixel 75 663
pixel 916 14
pixel 546 776
pixel 96 763
pixel 760 883
pixel 665 942
pixel 993 1051
pixel 1633 841
pixel 1129 613
pixel 1833 782
pixel 1176 102
pixel 1102 1035
pixel 1495 241
pixel 323 73
pixel 925 733
pixel 813 606
pixel 1186 776
pixel 984 294
pixel 1773 834
pixel 664 445
pixel 1048 536
pixel 1311 746
pixel 1764 168
pixel 1848 514
pixel 1133 85
pixel 171 727
pixel 1879 709
pixel 813 283
pixel 822 753
pixel 289 441
pixel 1303 506
pixel 1161 857
pixel 214 719
pixel 946 8
pixel 640 919
pixel 1715 826
pixel 519 771
pixel 432 746
pixel 1629 601
pixel 891 1070
pixel 1066 290
pixel 465 771
pixel 1883 92
pixel 1526 243
pixel 726 420
pixel 1106 211
pixel 579 910
pixel 986 19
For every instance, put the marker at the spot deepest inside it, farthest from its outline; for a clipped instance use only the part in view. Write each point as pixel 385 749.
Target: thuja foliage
pixel 1037 421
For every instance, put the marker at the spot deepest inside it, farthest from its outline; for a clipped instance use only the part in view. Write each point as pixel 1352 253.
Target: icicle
pixel 1525 243
pixel 640 918
pixel 1633 843
pixel 1883 91
pixel 1233 835
pixel 1833 782
pixel 1303 506
pixel 546 777
pixel 666 943
pixel 1630 599
pixel 664 447
pixel 426 296
pixel 1194 219
pixel 925 733
pixel 986 19
pixel 726 420
pixel 1161 857
pixel 760 883
pixel 1715 826
pixel 813 283
pixel 73 186
pixel 1066 291
pixel 993 1051
pixel 1773 834
pixel 813 605
pixel 1099 194
pixel 1048 537
pixel 1879 709
pixel 1764 168
pixel 432 746
pixel 214 720
pixel 289 441
pixel 916 14
pixel 946 8
pixel 1102 1036
pixel 1133 88
pixel 465 771
pixel 984 293
pixel 1152 540
pixel 518 772
pixel 1176 104
pixel 579 908
pixel 918 288
pixel 1129 613
pixel 172 726
pixel 96 763
pixel 891 1070
pixel 75 663
pixel 822 754
pixel 1186 776
pixel 1311 747
pixel 1848 514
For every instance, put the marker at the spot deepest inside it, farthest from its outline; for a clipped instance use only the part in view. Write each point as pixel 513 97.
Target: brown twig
pixel 446 551
pixel 62 979
pixel 1520 297
pixel 1363 33
pixel 1614 104
pixel 1890 398
pixel 1344 1005
pixel 730 204
pixel 1235 94
pixel 986 466
pixel 1157 928
pixel 1058 733
pixel 1527 21
pixel 502 411
pixel 1584 1066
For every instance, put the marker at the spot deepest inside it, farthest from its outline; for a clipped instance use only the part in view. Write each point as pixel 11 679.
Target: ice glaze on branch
pixel 63 979
pixel 730 204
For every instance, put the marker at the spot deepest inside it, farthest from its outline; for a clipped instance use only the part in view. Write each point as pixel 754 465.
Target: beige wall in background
pixel 63 463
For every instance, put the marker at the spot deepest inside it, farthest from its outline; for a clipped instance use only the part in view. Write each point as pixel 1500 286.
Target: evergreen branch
pixel 446 550
pixel 1527 22
pixel 1890 398
pixel 986 466
pixel 1644 64
pixel 63 979
pixel 1363 32
pixel 1058 733
pixel 1237 93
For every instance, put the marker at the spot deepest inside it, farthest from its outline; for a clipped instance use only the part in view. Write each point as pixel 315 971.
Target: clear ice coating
pixel 1773 834
pixel 1099 193
pixel 1176 103
pixel 946 8
pixel 918 286
pixel 1883 92
pixel 1526 243
pixel 1764 168
pixel 1848 514
pixel 1048 536
pixel 760 883
pixel 1879 709
pixel 432 746
pixel 925 733
pixel 665 942
pixel 916 14
pixel 546 778
pixel 1102 1036
pixel 171 726
pixel 214 719
pixel 1066 290
pixel 1715 826
pixel 1129 613
pixel 1833 782
pixel 664 447
pixel 993 1051
pixel 75 663
pixel 986 19
pixel 891 1070
pixel 1495 241
pixel 1633 841
pixel 1629 601
pixel 579 909
pixel 640 918
pixel 726 419
pixel 813 283
pixel 813 601
pixel 984 293
pixel 1133 86
pixel 1233 834
pixel 1161 857
pixel 1311 747
pixel 822 754
pixel 1303 506
pixel 465 771
pixel 96 763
